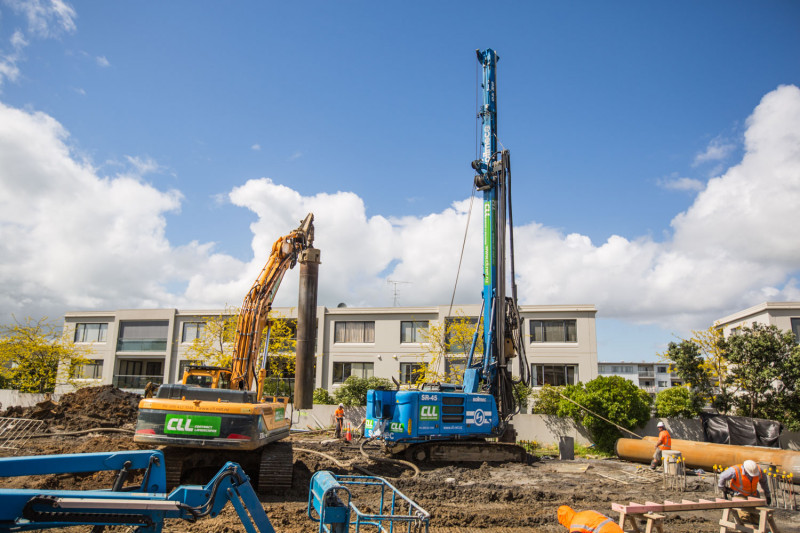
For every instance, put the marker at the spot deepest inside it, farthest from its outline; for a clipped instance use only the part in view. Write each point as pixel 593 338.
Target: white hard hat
pixel 751 468
pixel 660 425
pixel 341 405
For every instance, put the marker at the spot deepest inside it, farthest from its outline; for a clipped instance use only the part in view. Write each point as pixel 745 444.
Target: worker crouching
pixel 586 521
pixel 743 480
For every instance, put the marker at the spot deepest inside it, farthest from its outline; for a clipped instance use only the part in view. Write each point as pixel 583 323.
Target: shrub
pixel 354 390
pixel 323 397
pixel 676 402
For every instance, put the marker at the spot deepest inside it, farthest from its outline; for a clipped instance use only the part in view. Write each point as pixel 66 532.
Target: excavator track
pixel 276 468
pixel 466 452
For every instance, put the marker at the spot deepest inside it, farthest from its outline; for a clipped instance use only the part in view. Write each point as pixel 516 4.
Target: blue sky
pixel 151 152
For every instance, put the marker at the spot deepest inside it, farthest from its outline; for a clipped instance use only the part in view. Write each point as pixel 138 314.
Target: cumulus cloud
pixel 70 237
pixel 103 61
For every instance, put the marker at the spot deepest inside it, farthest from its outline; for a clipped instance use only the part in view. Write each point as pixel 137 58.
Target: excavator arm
pixel 253 317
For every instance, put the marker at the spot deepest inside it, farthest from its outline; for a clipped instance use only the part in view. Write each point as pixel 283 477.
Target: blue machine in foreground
pixel 146 506
pixel 451 422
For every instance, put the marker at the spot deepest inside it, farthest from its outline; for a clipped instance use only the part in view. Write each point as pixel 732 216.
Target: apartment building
pixel 783 315
pixel 650 377
pixel 133 347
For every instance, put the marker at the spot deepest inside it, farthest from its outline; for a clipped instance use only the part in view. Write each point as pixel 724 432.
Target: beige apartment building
pixel 783 315
pixel 133 347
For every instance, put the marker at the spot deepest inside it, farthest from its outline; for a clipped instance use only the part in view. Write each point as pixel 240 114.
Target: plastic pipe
pixel 707 454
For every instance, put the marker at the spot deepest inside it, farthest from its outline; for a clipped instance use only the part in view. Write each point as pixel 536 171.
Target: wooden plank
pixel 687 505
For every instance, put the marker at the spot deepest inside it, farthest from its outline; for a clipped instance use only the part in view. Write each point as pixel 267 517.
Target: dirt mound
pixel 86 408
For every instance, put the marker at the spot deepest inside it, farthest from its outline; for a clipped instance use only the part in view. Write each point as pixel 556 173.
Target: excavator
pixel 470 422
pixel 214 415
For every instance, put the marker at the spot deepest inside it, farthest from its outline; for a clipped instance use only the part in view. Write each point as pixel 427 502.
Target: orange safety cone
pixel 349 435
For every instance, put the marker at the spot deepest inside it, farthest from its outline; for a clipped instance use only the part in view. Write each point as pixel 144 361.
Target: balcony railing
pixel 123 381
pixel 141 345
pixel 646 374
pixel 279 387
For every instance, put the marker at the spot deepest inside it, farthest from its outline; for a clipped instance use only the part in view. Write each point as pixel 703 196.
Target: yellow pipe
pixel 706 455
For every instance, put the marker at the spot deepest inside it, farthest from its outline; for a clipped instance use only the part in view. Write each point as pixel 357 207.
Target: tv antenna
pixel 395 291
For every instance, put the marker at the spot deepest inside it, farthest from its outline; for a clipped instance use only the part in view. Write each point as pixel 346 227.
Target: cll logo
pixel 180 424
pixel 428 412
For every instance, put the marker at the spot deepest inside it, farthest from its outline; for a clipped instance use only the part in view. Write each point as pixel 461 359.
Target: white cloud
pixel 256 147
pixel 296 155
pixel 716 150
pixel 45 18
pixel 103 61
pixel 679 183
pixel 70 238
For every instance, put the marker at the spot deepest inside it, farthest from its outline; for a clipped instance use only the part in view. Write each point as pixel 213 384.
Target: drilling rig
pixel 446 422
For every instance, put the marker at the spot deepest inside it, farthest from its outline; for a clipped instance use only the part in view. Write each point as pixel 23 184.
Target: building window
pixel 413 331
pixel 663 384
pixel 91 332
pixel 137 373
pixel 91 370
pixel 661 370
pixel 143 336
pixel 554 330
pixel 342 371
pixel 616 369
pixel 796 329
pixel 410 373
pixel 354 332
pixel 553 375
pixel 192 331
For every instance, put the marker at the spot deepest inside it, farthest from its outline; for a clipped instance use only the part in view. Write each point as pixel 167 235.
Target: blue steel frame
pixel 329 504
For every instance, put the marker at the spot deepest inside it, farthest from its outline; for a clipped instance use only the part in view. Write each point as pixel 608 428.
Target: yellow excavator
pixel 213 416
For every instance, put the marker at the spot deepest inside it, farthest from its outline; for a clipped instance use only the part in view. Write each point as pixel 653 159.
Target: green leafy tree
pixel 676 402
pixel 712 346
pixel 353 391
pixel 323 397
pixel 35 355
pixel 688 362
pixel 614 398
pixel 763 364
pixel 281 356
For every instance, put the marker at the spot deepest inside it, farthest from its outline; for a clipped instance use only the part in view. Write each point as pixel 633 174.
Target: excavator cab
pixel 209 377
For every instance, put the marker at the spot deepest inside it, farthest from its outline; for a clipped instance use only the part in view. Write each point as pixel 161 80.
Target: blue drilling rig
pixel 447 422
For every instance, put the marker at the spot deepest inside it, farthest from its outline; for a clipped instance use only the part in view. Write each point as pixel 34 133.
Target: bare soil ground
pixel 499 498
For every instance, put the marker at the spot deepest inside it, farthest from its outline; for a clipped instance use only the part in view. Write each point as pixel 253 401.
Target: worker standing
pixel 664 443
pixel 339 415
pixel 586 521
pixel 743 481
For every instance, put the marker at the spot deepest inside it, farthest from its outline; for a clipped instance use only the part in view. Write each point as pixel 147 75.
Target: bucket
pixel 671 459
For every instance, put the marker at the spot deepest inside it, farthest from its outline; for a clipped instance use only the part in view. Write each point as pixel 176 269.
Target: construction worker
pixel 743 481
pixel 586 521
pixel 339 415
pixel 664 443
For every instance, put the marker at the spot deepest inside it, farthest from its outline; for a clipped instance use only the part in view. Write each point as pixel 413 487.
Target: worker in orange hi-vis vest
pixel 586 521
pixel 744 480
pixel 339 415
pixel 664 443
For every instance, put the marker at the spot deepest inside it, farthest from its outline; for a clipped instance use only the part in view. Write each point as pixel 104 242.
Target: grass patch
pixel 581 450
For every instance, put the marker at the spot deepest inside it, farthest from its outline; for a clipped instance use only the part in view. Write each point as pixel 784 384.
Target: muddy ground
pixel 501 498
